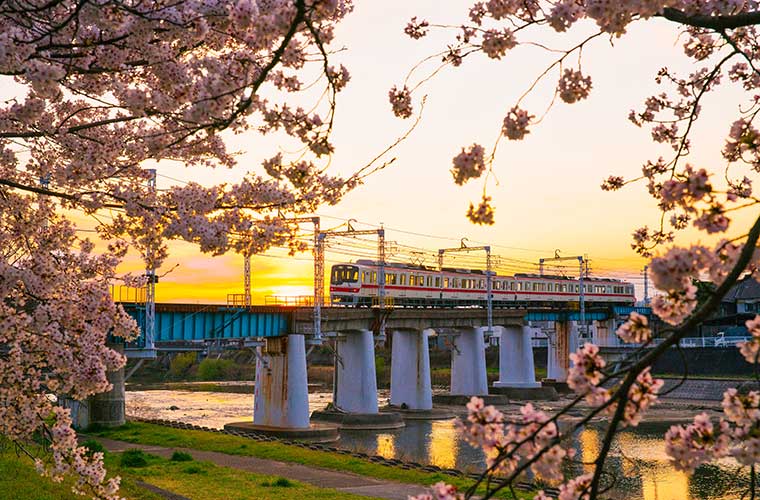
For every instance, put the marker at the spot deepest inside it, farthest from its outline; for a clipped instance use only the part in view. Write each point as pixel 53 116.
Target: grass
pixel 179 456
pixel 204 480
pixel 198 481
pixel 20 481
pixel 150 434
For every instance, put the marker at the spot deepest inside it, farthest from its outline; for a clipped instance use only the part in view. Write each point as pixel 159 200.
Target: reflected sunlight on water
pixel 385 445
pixel 444 444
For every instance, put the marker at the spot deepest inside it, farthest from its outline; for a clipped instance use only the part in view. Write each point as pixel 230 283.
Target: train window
pixel 365 278
pixel 497 285
pixel 535 287
pixel 550 287
pixel 455 283
pixel 445 282
pixel 402 279
pixel 438 282
pixel 374 277
pixel 421 280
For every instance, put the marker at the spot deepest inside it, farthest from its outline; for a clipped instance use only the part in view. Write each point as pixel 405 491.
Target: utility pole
pixel 646 285
pixel 150 291
pixel 582 261
pixel 319 270
pixel 489 275
pixel 350 231
pixel 247 278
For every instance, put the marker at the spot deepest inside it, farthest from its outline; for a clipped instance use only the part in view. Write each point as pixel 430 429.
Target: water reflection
pixel 429 442
pixel 385 445
pixel 637 457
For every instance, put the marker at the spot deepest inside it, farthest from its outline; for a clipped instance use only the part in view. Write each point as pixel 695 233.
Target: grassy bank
pixel 203 480
pixel 193 479
pixel 143 433
pixel 20 481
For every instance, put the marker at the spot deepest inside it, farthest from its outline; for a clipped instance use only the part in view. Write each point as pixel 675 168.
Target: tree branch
pixel 717 23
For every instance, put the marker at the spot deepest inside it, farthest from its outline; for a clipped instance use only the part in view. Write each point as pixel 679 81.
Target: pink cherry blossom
pixel 573 86
pixel 635 330
pixel 516 124
pixel 401 101
pixel 483 214
pixel 469 164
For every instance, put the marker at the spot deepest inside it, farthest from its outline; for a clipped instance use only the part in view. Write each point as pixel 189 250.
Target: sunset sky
pixel 547 196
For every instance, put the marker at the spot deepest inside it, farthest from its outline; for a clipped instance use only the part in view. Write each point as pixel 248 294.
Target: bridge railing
pixel 128 294
pixel 686 342
pixel 292 300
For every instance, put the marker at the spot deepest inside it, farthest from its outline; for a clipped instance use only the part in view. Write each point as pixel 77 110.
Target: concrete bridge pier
pixel 468 369
pixel 106 409
pixel 355 386
pixel 281 397
pixel 517 373
pixel 561 344
pixel 410 370
pixel 604 332
pixel 468 363
pixel 516 367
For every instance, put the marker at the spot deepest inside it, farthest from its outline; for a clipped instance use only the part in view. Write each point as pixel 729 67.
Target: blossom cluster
pixel 635 330
pixel 573 86
pixel 469 164
pixel 483 213
pixel 674 272
pixel 736 435
pixel 586 374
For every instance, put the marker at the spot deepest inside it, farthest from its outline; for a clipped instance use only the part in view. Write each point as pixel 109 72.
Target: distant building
pixel 741 303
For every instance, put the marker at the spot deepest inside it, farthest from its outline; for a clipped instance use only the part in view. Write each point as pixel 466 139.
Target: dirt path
pixel 323 478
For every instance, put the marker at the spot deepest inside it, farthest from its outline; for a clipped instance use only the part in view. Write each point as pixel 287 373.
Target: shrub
pixel 280 482
pixel 92 447
pixel 133 458
pixel 180 456
pixel 193 469
pixel 181 363
pixel 217 369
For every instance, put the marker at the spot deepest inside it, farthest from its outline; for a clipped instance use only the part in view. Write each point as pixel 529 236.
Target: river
pixel 638 454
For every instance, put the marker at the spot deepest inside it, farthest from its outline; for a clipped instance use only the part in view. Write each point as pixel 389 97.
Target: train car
pixel 411 285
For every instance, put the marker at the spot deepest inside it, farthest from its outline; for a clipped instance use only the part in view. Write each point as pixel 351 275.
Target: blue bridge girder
pixel 593 315
pixel 202 322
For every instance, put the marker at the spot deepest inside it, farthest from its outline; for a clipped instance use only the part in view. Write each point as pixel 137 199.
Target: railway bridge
pixel 282 336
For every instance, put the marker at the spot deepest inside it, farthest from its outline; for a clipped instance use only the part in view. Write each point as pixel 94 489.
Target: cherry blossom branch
pixel 717 23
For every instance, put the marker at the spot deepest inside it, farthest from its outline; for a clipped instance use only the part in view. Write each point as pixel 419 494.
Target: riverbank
pixel 286 459
pixel 161 473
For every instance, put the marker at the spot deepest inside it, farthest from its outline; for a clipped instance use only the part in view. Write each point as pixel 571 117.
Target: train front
pixel 344 284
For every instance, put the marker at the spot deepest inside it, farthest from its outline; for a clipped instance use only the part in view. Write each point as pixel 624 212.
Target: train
pixel 355 284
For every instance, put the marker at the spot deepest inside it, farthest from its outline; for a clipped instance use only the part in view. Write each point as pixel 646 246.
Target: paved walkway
pixel 323 478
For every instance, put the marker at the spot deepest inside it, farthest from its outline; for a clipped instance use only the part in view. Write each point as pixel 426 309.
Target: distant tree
pixel 720 38
pixel 101 92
